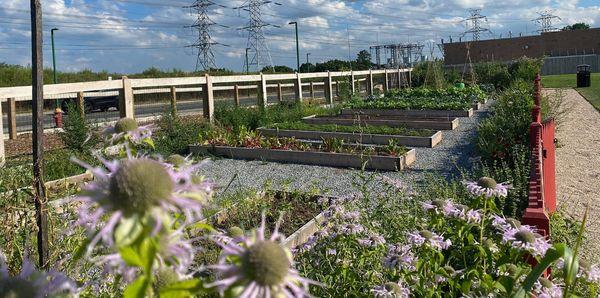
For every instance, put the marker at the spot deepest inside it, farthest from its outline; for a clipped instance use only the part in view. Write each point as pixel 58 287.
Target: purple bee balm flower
pixel 33 283
pixel 127 129
pixel 428 238
pixel 473 216
pixel 136 192
pixel 258 267
pixel 400 257
pixel 488 187
pixel 525 238
pixel 391 290
pixel 544 288
pixel 593 274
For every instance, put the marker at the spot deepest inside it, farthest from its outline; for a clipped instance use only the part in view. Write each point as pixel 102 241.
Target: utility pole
pixel 545 21
pixel 259 50
pixel 307 62
pixel 57 110
pixel 349 53
pixel 206 57
pixel 37 77
pixel 474 25
pixel 297 45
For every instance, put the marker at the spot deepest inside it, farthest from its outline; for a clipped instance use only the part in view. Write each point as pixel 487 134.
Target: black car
pixel 91 104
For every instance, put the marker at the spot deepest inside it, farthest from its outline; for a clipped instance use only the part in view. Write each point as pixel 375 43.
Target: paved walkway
pixel 578 165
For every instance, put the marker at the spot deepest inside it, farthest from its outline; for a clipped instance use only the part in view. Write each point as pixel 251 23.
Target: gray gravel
pixel 455 151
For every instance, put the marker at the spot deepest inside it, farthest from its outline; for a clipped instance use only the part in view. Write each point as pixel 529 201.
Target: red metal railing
pixel 542 180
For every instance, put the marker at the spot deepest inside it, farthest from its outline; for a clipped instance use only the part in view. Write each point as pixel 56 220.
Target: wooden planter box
pixel 343 160
pixel 409 113
pixel 411 141
pixel 408 122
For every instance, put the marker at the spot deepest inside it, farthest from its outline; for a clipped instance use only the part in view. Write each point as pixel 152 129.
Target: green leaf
pixel 131 257
pixel 552 255
pixel 128 231
pixel 186 288
pixel 137 289
pixel 148 250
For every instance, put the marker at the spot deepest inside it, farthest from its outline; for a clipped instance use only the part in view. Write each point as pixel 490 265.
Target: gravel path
pixel 578 165
pixel 454 151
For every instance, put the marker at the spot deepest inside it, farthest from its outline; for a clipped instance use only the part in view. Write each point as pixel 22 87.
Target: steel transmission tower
pixel 545 21
pixel 258 51
pixel 474 24
pixel 203 24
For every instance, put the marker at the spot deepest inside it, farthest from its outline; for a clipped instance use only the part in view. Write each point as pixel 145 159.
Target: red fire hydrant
pixel 58 113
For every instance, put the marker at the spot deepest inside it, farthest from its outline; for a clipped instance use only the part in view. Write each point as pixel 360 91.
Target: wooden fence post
pixel 386 84
pixel 279 92
pixel 298 88
pixel 353 88
pixel 236 95
pixel 126 100
pixel 312 90
pixel 174 100
pixel 409 79
pixel 263 91
pixel 399 75
pixel 80 104
pixel 12 118
pixel 370 82
pixel 337 88
pixel 2 153
pixel 208 100
pixel 328 88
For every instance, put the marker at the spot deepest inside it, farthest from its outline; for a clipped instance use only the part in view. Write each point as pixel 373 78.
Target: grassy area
pixel 592 94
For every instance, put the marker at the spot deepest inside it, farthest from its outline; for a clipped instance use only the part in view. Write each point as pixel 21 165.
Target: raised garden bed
pixel 345 160
pixel 365 138
pixel 409 113
pixel 440 123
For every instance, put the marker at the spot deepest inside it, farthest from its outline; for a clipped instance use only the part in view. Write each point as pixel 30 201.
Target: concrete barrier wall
pixel 568 64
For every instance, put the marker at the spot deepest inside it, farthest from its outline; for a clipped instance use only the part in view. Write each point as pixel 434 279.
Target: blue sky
pixel 132 35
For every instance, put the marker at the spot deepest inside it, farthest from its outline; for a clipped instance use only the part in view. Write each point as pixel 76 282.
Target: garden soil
pixel 578 166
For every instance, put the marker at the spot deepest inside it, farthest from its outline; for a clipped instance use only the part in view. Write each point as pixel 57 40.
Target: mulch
pixel 23 145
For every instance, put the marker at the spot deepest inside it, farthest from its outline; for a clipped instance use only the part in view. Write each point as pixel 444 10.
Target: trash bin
pixel 583 76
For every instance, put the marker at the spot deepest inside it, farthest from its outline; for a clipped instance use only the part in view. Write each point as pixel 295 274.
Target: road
pixel 144 110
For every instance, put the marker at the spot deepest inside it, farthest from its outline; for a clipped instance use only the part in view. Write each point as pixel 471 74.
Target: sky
pixel 128 36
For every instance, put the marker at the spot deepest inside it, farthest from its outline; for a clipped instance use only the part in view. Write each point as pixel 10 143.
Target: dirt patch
pixel 23 145
pixel 578 165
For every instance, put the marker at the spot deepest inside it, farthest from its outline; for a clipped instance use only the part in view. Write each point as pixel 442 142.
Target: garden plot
pixel 436 123
pixel 411 113
pixel 380 135
pixel 332 153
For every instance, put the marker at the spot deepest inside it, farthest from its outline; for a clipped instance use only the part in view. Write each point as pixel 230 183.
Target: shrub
pixel 176 133
pixel 508 125
pixel 78 134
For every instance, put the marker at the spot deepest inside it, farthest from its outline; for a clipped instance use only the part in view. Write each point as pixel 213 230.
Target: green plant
pixel 176 133
pixel 78 134
pixel 508 125
pixel 359 129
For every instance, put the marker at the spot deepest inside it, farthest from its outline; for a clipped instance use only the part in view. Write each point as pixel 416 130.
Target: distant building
pixel 563 50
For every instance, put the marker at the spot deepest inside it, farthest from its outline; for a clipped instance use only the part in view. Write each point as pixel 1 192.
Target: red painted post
pixel 549 165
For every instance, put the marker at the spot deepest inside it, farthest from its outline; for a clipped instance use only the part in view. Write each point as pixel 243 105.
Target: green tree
pixel 278 69
pixel 363 60
pixel 576 26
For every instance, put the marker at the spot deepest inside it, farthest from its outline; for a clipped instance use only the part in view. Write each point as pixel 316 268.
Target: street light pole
pixel 57 103
pixel 307 62
pixel 297 46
